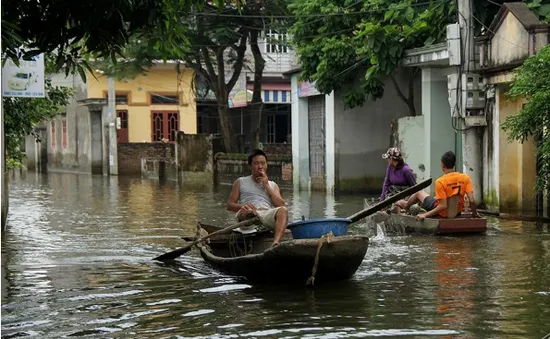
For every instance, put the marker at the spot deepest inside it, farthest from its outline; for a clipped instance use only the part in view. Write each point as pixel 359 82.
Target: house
pixel 503 173
pixel 149 111
pixel 510 168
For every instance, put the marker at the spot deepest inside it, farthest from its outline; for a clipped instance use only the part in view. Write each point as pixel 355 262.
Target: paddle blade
pixel 174 254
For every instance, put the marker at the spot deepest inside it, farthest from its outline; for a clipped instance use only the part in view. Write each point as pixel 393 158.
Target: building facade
pixel 150 109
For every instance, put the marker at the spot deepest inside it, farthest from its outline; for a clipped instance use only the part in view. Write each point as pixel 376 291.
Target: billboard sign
pixel 25 80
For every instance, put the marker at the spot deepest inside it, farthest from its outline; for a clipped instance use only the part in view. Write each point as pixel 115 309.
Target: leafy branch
pixel 532 82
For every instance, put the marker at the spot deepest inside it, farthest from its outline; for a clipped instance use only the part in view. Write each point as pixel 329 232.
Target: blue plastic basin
pixel 316 228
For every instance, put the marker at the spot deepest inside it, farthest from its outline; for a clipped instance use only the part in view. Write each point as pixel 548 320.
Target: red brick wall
pixel 130 155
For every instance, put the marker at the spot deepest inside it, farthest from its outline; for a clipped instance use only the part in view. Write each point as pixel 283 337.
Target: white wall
pixel 300 138
pixel 410 139
pixel 275 63
pixel 439 134
pixel 510 43
pixel 77 155
pixel 362 134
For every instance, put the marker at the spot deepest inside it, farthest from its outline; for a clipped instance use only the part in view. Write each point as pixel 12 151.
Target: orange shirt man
pixel 451 183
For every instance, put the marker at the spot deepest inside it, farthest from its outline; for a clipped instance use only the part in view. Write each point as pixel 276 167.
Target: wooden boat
pixel 251 256
pixel 463 223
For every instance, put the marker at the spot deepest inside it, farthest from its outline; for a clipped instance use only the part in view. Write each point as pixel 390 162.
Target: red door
pixel 165 126
pixel 122 132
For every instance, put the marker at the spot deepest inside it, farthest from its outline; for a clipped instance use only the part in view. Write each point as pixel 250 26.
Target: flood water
pixel 76 262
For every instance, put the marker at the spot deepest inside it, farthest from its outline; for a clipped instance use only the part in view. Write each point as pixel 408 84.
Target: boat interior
pixel 237 243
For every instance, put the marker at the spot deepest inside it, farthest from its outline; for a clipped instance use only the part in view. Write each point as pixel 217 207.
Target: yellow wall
pixel 139 90
pixel 517 163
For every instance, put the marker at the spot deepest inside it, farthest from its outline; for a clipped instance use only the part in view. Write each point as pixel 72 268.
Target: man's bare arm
pixel 473 205
pixel 275 195
pixel 233 202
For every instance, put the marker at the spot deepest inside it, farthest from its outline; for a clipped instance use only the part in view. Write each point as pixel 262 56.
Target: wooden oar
pixel 389 201
pixel 182 250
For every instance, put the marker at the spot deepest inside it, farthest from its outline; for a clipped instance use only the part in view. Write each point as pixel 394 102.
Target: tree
pixel 216 51
pixel 532 81
pixel 276 17
pixel 335 39
pixel 74 31
pixel 257 103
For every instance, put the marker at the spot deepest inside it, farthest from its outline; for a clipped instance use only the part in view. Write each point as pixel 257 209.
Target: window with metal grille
pixel 165 125
pixel 157 99
pixel 121 99
pixel 64 133
pixel 52 133
pixel 276 41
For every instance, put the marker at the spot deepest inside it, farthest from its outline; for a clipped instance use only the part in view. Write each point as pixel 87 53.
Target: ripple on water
pixel 224 288
pixel 77 262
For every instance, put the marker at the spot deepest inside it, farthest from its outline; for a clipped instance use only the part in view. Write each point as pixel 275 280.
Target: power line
pixel 487 28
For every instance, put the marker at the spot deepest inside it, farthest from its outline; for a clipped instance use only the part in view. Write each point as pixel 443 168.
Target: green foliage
pixel 485 11
pixel 368 37
pixel 77 31
pixel 14 162
pixel 541 8
pixel 532 81
pixel 21 115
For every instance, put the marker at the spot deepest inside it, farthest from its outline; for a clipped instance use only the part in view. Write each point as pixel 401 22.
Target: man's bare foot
pixel 275 244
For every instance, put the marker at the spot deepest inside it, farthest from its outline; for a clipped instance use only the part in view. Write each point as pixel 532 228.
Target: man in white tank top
pixel 257 195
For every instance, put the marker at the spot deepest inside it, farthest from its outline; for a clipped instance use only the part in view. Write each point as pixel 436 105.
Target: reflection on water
pixel 76 261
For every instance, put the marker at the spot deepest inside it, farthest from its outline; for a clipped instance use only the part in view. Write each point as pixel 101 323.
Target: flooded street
pixel 76 262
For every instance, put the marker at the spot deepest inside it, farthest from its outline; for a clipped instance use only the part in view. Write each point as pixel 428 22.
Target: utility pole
pixel 4 177
pixel 111 120
pixel 466 33
pixel 472 150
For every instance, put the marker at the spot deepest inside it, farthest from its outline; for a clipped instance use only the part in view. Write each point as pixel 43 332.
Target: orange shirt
pixel 452 184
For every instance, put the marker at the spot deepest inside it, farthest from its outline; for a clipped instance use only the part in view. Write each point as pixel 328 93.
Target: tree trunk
pixel 407 100
pixel 227 127
pixel 256 106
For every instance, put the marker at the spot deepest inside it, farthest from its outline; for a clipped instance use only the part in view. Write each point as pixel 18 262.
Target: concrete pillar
pixel 42 165
pixel 105 139
pixel 31 150
pixel 330 144
pixel 491 156
pixel 111 124
pixel 471 158
pixel 300 138
pixel 439 134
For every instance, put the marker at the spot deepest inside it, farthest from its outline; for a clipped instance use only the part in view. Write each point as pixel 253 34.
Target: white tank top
pixel 254 193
